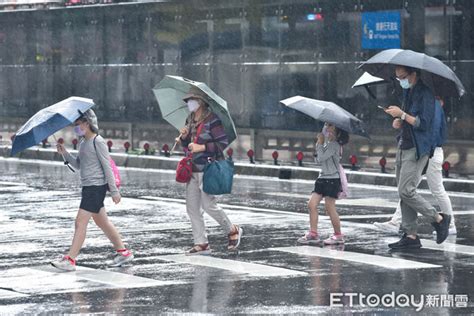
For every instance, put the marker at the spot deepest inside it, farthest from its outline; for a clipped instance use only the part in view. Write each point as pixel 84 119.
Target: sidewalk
pixel 244 168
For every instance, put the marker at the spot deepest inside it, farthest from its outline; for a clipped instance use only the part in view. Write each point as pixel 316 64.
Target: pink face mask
pixel 78 130
pixel 325 131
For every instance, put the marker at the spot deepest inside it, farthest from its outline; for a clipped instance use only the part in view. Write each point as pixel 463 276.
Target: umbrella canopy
pixel 327 112
pixel 170 92
pixel 439 77
pixel 367 79
pixel 48 121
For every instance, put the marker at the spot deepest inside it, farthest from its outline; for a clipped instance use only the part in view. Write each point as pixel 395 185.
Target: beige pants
pixel 198 202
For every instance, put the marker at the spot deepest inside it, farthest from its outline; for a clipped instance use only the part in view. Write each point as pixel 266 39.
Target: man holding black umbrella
pixel 415 122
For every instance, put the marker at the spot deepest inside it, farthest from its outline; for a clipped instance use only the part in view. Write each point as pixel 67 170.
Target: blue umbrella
pixel 48 121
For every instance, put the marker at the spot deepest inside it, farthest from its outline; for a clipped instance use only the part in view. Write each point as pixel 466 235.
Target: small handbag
pixel 218 177
pixel 184 170
pixel 344 193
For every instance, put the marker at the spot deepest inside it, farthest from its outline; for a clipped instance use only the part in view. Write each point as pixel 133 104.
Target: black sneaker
pixel 442 228
pixel 406 243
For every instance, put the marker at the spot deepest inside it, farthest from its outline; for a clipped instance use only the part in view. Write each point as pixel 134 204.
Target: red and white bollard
pixel 146 147
pixel 353 160
pixel 251 154
pixel 382 163
pixel 300 157
pixel 126 145
pixel 109 145
pixel 230 152
pixel 275 157
pixel 446 166
pixel 166 150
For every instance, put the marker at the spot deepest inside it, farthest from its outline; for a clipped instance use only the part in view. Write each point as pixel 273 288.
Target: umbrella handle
pixel 64 159
pixel 174 146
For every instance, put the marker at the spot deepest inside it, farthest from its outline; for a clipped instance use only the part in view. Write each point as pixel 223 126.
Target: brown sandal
pixel 200 249
pixel 234 238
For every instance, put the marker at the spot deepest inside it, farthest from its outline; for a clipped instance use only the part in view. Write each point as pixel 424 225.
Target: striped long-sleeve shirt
pixel 212 135
pixel 94 163
pixel 329 156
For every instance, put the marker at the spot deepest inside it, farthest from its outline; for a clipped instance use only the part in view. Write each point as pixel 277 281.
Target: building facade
pixel 251 52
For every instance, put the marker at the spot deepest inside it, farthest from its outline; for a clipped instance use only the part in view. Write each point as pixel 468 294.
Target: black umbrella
pixel 439 77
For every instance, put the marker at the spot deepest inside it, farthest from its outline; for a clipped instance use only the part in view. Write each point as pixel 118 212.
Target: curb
pixel 282 172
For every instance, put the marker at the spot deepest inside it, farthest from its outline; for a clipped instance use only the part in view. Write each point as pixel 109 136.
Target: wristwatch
pixel 404 116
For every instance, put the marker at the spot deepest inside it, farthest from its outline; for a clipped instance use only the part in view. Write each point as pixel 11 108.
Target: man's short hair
pixel 410 70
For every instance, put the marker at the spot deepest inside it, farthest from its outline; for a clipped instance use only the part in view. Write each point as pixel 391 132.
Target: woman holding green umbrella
pixel 204 138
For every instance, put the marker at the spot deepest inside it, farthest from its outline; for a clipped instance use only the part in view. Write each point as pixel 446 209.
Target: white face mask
pixel 193 105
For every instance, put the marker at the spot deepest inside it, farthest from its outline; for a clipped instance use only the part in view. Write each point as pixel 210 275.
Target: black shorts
pixel 327 187
pixel 93 198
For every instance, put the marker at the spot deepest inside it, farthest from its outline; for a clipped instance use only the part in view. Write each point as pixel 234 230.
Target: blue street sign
pixel 381 30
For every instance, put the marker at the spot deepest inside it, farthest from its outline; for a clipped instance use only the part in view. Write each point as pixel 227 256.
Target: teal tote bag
pixel 218 177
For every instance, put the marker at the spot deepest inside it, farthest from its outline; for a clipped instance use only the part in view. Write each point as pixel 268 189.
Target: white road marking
pixel 467 212
pixel 48 280
pixel 253 269
pixel 15 188
pixel 116 279
pixel 380 261
pixel 447 246
pixel 12 183
pixel 4 294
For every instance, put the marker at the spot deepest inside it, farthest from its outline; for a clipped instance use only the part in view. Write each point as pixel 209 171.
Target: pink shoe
pixel 334 240
pixel 309 239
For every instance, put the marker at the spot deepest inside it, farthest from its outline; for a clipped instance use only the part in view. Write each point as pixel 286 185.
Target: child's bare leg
pixel 102 220
pixel 330 205
pixel 80 228
pixel 313 211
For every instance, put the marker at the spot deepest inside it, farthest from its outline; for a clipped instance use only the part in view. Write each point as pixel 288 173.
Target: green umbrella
pixel 170 92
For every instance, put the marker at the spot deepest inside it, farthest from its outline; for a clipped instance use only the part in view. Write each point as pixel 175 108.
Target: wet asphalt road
pixel 39 201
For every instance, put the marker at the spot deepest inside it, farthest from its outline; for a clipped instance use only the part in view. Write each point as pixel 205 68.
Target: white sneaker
pixel 64 263
pixel 388 227
pixel 334 240
pixel 122 258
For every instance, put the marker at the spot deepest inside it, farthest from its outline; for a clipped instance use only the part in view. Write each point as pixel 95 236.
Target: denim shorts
pixel 327 187
pixel 93 198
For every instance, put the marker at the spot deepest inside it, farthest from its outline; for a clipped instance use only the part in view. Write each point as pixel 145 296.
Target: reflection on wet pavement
pixel 269 274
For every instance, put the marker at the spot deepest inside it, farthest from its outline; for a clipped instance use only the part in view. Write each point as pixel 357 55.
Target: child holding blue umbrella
pixel 97 177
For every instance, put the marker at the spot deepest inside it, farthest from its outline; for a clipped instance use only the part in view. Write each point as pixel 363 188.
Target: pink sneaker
pixel 65 263
pixel 122 257
pixel 334 240
pixel 309 239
